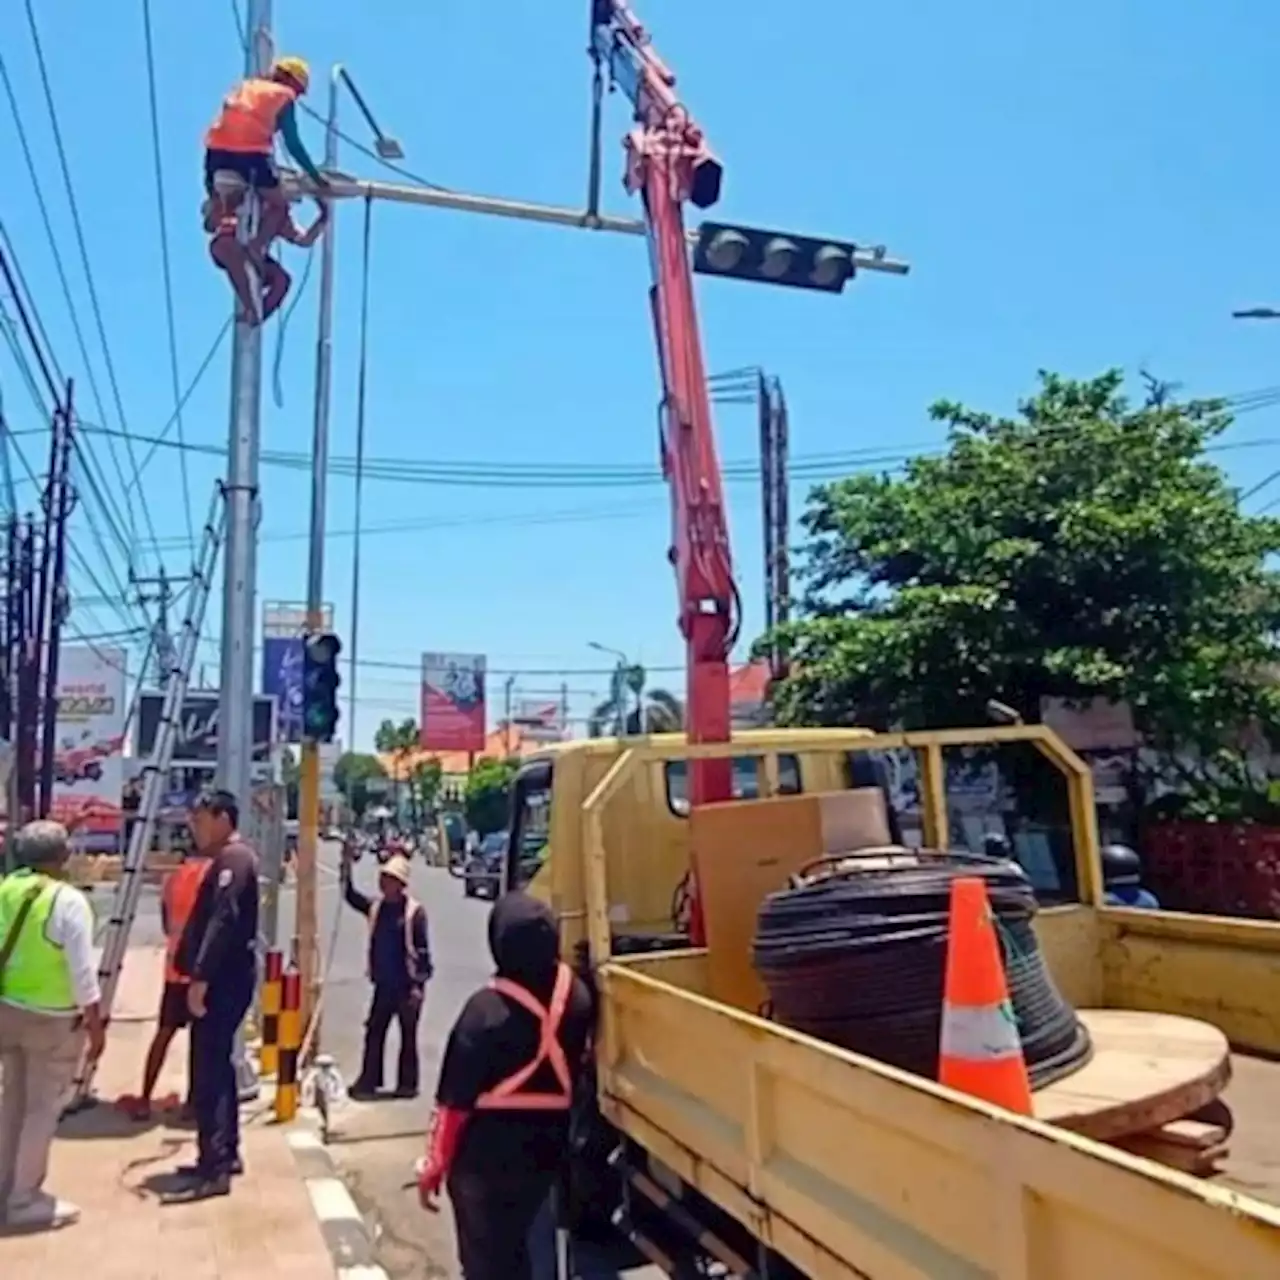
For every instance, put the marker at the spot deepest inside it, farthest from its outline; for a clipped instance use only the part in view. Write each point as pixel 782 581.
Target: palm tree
pixel 630 708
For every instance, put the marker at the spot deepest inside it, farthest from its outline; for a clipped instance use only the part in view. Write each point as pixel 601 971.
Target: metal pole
pixel 309 766
pixel 239 592
pixel 235 702
pixel 342 188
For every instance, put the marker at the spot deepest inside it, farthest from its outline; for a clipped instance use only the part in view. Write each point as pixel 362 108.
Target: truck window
pixel 746 780
pixel 530 823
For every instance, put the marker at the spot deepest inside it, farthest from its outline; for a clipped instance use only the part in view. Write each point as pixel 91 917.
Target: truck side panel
pixel 1224 971
pixel 854 1170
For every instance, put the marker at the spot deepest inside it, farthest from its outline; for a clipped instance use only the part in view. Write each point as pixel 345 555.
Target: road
pixel 377 1143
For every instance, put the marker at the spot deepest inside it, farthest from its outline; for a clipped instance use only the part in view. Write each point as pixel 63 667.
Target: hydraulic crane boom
pixel 669 164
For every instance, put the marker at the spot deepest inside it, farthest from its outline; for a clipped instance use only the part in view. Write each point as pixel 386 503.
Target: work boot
pixel 40 1212
pixel 203 1188
pixel 194 1171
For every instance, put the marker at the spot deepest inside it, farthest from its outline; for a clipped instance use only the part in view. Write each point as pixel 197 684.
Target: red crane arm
pixel 669 164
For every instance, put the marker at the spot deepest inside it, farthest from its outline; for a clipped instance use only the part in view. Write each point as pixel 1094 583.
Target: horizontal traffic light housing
pixel 320 681
pixel 773 257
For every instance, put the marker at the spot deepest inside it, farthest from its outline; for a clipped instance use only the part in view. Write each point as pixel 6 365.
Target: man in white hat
pixel 399 968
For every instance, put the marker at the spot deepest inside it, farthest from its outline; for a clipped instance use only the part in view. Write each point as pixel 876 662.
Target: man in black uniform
pixel 500 1132
pixel 399 968
pixel 217 953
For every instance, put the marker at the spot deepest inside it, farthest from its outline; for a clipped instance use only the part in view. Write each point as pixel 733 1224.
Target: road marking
pixel 341 1222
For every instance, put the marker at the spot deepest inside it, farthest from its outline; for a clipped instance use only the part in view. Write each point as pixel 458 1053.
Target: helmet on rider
pixel 293 72
pixel 1120 866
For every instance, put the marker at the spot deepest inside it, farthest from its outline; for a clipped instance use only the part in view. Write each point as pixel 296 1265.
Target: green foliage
pixel 487 798
pixel 352 774
pixel 425 780
pixel 633 708
pixel 1084 548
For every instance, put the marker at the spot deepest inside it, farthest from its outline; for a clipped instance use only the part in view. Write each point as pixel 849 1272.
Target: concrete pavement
pixel 375 1144
pixel 116 1169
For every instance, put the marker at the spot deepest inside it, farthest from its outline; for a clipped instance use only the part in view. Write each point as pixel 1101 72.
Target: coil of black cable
pixel 856 955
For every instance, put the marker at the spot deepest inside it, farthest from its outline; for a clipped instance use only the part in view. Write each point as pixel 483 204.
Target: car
pixel 482 873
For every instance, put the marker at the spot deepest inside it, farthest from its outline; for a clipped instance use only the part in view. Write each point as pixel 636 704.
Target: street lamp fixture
pixel 1257 313
pixel 387 147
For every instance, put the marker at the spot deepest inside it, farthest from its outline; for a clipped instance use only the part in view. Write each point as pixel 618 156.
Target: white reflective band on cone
pixel 982 1034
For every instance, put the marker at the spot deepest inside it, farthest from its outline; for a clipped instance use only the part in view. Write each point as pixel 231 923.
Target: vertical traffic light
pixel 320 681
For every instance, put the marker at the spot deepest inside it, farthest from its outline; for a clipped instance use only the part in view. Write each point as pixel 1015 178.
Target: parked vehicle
pixel 815 1161
pixel 482 874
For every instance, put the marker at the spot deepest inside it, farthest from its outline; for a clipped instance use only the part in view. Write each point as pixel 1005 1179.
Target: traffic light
pixel 773 257
pixel 320 681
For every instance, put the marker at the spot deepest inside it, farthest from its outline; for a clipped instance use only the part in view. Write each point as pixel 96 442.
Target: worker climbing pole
pixel 238 161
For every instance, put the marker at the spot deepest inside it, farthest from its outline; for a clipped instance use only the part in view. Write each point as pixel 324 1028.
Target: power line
pixel 166 265
pixel 78 226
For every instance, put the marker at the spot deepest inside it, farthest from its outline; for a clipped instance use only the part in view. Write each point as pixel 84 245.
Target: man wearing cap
pixel 399 968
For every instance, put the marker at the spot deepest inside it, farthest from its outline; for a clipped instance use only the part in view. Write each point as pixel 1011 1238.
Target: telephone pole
pixel 164 655
pixel 54 599
pixel 235 701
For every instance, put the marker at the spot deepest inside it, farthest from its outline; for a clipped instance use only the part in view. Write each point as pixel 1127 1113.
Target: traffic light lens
pixel 726 250
pixel 778 257
pixel 831 264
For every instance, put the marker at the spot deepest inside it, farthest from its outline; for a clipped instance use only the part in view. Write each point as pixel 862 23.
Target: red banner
pixel 453 707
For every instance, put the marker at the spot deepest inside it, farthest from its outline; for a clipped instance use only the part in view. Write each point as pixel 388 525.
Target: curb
pixel 341 1222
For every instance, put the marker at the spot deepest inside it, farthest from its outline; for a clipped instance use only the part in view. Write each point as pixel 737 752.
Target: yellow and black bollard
pixel 272 984
pixel 290 1041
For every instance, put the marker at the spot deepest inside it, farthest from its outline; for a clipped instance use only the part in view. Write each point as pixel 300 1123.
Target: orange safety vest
pixel 411 908
pixel 247 121
pixel 180 892
pixel 509 1095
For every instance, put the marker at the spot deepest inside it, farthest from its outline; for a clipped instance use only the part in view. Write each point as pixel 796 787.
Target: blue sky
pixel 1075 187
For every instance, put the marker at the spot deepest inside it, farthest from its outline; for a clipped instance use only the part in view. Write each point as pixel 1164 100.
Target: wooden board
pixel 1147 1070
pixel 745 850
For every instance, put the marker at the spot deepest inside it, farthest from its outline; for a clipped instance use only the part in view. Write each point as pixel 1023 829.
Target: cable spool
pixel 854 953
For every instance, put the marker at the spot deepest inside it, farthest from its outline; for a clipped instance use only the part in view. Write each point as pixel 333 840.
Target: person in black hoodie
pixel 499 1136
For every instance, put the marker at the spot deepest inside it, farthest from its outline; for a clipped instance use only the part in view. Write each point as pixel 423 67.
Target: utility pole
pixel 163 651
pixel 508 690
pixel 235 701
pixel 27 648
pixel 309 767
pixel 53 591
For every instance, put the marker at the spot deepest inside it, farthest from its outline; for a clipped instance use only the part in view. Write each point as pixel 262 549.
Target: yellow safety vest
pixel 37 975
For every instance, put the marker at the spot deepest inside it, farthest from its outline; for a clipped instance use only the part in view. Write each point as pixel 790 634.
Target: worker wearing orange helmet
pixel 242 138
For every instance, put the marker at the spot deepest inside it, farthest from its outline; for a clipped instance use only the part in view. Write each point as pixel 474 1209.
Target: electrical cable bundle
pixel 856 955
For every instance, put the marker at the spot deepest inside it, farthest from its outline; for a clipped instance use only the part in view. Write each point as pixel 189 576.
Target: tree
pixel 352 774
pixel 487 798
pixel 425 779
pixel 634 708
pixel 1084 548
pixel 400 742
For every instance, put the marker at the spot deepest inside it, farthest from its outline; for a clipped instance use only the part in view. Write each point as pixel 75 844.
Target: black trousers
pixel 391 1003
pixel 213 1074
pixel 492 1221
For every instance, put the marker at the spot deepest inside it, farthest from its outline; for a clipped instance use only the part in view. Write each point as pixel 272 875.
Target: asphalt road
pixel 377 1143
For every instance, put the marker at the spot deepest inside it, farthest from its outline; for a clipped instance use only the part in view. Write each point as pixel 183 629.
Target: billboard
pixel 283 626
pixel 282 682
pixel 197 742
pixel 88 769
pixel 453 711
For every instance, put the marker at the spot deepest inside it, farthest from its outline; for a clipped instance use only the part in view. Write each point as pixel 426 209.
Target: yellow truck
pixel 758 1151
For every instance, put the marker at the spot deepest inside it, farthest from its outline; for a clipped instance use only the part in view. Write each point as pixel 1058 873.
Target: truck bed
pixel 1253 1166
pixel 855 1171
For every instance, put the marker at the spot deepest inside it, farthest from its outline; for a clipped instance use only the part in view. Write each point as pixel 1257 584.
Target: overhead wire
pixel 78 226
pixel 166 264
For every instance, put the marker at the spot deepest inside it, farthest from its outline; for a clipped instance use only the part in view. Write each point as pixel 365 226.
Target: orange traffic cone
pixel 981 1053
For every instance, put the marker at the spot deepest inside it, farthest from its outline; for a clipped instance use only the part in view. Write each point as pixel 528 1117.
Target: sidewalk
pixel 113 1168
